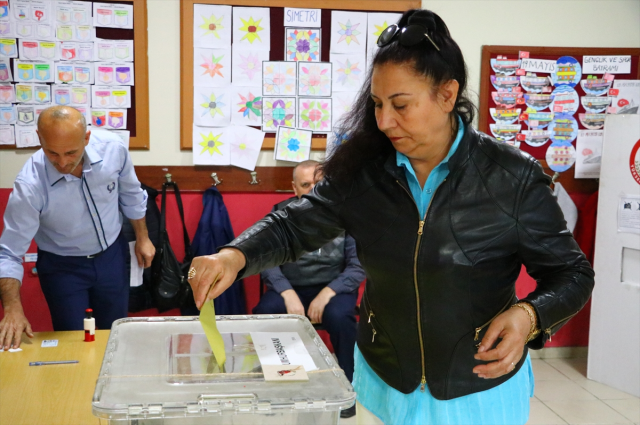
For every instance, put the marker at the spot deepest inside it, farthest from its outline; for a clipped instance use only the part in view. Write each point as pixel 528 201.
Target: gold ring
pixel 192 273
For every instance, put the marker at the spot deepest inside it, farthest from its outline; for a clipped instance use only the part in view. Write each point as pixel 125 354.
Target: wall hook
pixel 216 180
pixel 168 177
pixel 254 179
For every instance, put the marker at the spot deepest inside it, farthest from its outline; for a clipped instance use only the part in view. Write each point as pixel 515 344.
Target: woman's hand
pixel 219 270
pixel 513 327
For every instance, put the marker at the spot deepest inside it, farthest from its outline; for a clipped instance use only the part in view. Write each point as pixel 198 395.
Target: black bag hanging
pixel 169 285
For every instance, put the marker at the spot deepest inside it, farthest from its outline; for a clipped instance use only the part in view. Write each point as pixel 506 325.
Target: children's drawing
pixel 292 144
pixel 314 79
pixel 246 143
pixel 506 83
pixel 211 26
pixel 7 135
pixel 7 114
pixel 247 67
pixel 560 156
pixel 504 116
pixel 589 154
pixel 278 111
pixel 592 121
pixel 505 66
pixel 565 100
pixel 376 23
pixel 278 78
pixel 8 48
pixel 210 146
pixel 628 98
pixel 5 71
pixel 595 86
pixel 537 102
pixel 538 120
pixel 212 67
pixel 251 28
pixel 504 132
pixel 567 73
pixel 536 138
pixel 348 71
pixel 26 136
pixel 348 32
pixel 8 92
pixel 246 106
pixel 211 106
pixel 303 44
pixel 564 129
pixel 595 104
pixel 342 104
pixel 535 84
pixel 315 114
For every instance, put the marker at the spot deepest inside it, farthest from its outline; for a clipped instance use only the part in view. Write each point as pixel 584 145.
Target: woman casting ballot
pixel 443 217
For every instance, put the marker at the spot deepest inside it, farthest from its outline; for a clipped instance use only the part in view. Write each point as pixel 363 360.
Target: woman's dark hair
pixel 365 142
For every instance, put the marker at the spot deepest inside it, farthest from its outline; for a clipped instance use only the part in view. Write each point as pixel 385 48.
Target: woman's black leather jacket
pixel 435 283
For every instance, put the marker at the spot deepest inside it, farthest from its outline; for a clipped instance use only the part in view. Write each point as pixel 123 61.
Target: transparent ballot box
pixel 160 370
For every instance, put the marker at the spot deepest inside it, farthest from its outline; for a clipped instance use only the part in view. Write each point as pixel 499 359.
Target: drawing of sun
pixel 210 143
pixel 348 32
pixel 211 66
pixel 212 105
pixel 212 25
pixel 251 28
pixel 380 28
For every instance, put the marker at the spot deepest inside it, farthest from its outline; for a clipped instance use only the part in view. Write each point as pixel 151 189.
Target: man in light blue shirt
pixel 70 197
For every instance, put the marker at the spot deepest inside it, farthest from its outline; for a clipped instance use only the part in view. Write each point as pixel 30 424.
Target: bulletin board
pixel 138 114
pixel 277 43
pixel 545 53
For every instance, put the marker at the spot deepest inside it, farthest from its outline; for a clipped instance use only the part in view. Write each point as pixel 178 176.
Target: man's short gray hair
pixel 60 113
pixel 305 164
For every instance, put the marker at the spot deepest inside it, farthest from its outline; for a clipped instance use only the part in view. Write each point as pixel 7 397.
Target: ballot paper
pixel 208 322
pixel 282 349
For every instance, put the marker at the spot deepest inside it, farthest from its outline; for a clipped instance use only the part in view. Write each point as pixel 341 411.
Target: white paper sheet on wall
pixel 349 71
pixel 211 67
pixel 211 26
pixel 246 105
pixel 246 143
pixel 251 28
pixel 247 67
pixel 589 154
pixel 211 106
pixel 211 146
pixel 348 32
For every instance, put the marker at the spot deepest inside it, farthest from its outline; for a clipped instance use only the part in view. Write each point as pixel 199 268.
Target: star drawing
pixel 251 28
pixel 211 66
pixel 380 28
pixel 348 32
pixel 212 105
pixel 250 65
pixel 250 104
pixel 348 72
pixel 210 143
pixel 212 25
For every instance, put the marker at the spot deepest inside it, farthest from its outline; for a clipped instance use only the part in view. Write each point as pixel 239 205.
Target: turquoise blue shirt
pixel 506 404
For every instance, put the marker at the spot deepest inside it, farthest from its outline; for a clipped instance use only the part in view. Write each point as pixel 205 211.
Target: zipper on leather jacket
pixel 479 329
pixel 423 381
pixel 548 330
pixel 371 314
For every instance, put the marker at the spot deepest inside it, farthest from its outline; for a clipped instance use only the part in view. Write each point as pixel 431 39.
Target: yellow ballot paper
pixel 208 322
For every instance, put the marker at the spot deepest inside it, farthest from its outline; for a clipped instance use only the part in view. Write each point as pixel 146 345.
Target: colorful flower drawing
pixel 212 104
pixel 314 79
pixel 250 65
pixel 348 32
pixel 279 78
pixel 278 111
pixel 315 114
pixel 348 73
pixel 303 44
pixel 211 66
pixel 210 143
pixel 250 106
pixel 293 144
pixel 251 28
pixel 212 25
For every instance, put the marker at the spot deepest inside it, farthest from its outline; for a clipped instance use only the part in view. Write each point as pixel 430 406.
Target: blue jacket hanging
pixel 214 230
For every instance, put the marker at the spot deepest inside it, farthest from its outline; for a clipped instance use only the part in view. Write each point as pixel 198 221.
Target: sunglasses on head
pixel 408 36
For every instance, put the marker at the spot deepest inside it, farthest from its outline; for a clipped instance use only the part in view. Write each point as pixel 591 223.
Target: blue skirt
pixel 506 404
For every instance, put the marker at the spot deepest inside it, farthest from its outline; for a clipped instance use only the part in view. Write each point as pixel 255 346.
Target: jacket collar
pixel 91 157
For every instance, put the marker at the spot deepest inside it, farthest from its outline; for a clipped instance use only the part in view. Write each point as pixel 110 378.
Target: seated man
pixel 324 283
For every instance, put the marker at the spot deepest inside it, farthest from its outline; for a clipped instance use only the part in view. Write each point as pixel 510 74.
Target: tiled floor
pixel 564 395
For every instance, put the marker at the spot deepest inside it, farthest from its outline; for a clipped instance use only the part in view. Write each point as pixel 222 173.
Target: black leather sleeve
pixel 551 255
pixel 284 236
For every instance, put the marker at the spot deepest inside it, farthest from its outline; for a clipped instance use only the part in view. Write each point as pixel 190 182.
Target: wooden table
pixel 51 394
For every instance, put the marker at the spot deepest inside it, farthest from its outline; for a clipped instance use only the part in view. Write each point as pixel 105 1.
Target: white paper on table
pixel 282 348
pixel 124 135
pixel 279 78
pixel 211 26
pixel 114 73
pixel 589 154
pixel 8 48
pixel 26 136
pixel 6 76
pixel 7 114
pixel 38 50
pixel 246 143
pixel 376 23
pixel 7 135
pixel 211 146
pixel 349 71
pixel 113 50
pixel 135 277
pixel 247 67
pixel 211 106
pixel 629 214
pixel 246 105
pixel 111 97
pixel 628 99
pixel 292 144
pixel 342 105
pixel 251 28
pixel 211 67
pixel 348 32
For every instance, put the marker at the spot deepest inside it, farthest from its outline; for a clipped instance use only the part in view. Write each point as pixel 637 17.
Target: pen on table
pixel 55 362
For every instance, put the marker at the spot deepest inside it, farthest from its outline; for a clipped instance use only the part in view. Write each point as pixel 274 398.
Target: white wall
pixel 473 23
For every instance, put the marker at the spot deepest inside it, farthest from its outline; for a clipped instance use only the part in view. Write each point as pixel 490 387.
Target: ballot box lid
pixel 163 367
